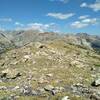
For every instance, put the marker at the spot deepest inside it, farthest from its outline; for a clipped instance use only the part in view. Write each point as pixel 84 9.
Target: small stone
pixel 93 69
pixel 15 88
pixel 14 56
pixel 26 90
pixel 40 45
pixel 2 64
pixel 41 81
pixel 14 63
pixel 3 88
pixel 34 93
pixel 48 87
pixel 3 75
pixel 49 75
pixel 41 90
pixel 56 90
pixel 65 98
pixel 13 97
pixel 27 56
pixel 10 74
pixel 17 75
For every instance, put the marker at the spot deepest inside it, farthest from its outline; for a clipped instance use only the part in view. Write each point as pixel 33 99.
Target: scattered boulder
pixel 3 88
pixel 77 64
pixel 94 97
pixel 13 97
pixel 4 75
pixel 96 82
pixel 40 45
pixel 16 88
pixel 26 90
pixel 2 64
pixel 48 87
pixel 57 90
pixel 6 71
pixel 80 89
pixel 54 90
pixel 27 56
pixel 40 90
pixel 10 74
pixel 65 98
pixel 17 75
pixel 42 81
pixel 14 63
pixel 14 56
pixel 49 75
pixel 93 69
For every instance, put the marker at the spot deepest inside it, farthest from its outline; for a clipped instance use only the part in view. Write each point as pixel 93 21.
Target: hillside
pixel 5 43
pixel 23 37
pixel 51 68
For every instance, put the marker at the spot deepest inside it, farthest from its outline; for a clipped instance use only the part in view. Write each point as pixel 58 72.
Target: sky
pixel 64 16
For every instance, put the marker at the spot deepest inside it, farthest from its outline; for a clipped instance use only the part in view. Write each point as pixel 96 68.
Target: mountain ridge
pixel 21 38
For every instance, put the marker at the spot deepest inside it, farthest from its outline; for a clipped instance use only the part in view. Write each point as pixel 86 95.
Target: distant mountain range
pixel 10 39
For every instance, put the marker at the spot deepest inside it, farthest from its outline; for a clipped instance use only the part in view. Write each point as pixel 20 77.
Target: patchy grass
pixel 64 74
pixel 97 65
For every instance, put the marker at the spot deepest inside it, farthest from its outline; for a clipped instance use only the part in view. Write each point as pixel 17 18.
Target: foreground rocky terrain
pixel 50 67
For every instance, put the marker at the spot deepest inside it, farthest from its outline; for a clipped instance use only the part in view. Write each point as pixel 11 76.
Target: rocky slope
pixel 5 43
pixel 49 66
pixel 85 40
pixel 58 68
